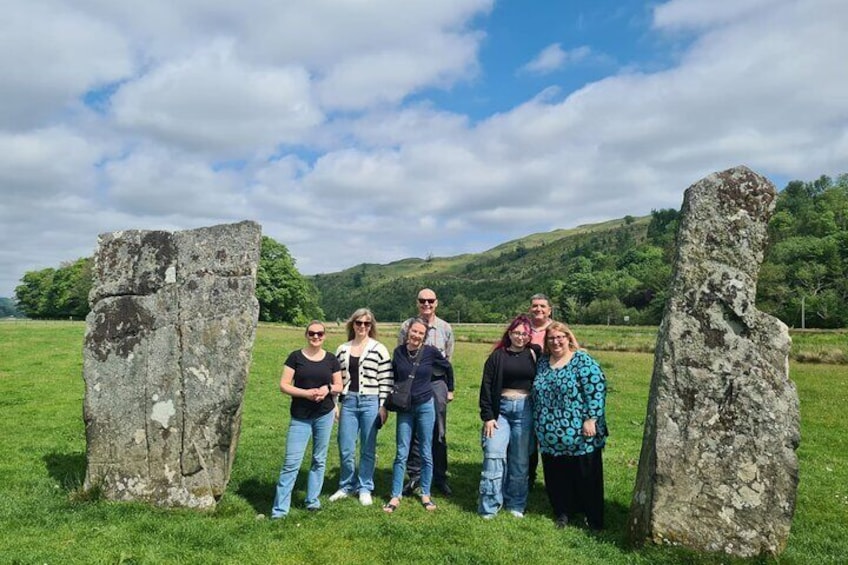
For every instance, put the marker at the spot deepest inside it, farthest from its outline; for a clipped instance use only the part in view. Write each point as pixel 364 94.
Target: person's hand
pixel 489 428
pixel 384 415
pixel 450 395
pixel 318 394
pixel 589 429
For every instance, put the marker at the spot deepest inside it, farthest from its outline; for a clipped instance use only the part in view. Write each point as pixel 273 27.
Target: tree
pixel 33 293
pixel 8 308
pixel 284 294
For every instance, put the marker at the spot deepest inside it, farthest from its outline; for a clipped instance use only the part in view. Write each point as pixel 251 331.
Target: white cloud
pixel 212 103
pixel 313 118
pixel 697 14
pixel 49 56
pixel 154 182
pixel 553 58
pixel 46 162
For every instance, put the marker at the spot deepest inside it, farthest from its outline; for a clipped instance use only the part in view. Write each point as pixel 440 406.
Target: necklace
pixel 411 353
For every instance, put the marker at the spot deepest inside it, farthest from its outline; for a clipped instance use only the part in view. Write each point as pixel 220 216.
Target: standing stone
pixel 718 470
pixel 167 351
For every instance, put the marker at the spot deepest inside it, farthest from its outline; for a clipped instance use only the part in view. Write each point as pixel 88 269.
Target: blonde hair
pixel 562 328
pixel 358 313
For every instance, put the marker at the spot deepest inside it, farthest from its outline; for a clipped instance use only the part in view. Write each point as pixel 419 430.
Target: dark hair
pixel 505 341
pixel 358 313
pixel 417 321
pixel 540 296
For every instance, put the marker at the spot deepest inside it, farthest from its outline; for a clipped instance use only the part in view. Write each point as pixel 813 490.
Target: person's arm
pixel 385 376
pixel 485 400
pixel 336 386
pixel 487 413
pixel 450 343
pixel 593 390
pixel 287 386
pixel 341 357
pixel 382 412
pixel 441 362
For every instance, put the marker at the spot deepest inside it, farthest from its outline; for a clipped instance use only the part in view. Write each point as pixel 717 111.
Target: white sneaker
pixel 365 498
pixel 338 495
pixel 517 514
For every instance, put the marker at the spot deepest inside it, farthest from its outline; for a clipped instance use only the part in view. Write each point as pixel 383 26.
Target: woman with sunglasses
pixel 311 376
pixel 366 381
pixel 416 360
pixel 507 420
pixel 569 398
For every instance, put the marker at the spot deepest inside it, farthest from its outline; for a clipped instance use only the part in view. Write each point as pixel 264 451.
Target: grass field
pixel 45 518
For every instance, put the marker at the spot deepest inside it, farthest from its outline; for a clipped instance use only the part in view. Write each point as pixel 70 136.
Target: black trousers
pixel 532 471
pixel 440 444
pixel 575 485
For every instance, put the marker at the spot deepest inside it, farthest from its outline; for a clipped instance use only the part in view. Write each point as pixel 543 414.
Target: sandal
pixel 390 507
pixel 429 506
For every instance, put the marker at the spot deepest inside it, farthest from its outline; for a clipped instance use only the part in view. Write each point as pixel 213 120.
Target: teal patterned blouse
pixel 562 399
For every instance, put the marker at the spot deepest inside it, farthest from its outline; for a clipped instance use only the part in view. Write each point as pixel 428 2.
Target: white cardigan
pixel 375 368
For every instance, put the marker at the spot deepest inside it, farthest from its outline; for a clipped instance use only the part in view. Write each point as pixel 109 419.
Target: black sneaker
pixel 445 489
pixel 561 521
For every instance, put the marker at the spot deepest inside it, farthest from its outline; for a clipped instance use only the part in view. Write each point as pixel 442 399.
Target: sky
pixel 375 130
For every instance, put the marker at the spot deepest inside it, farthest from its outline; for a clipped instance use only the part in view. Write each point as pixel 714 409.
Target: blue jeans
pixel 423 418
pixel 506 459
pixel 300 430
pixel 358 417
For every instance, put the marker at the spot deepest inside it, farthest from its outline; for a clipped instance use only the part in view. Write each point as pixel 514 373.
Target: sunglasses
pixel 426 301
pixel 315 334
pixel 361 323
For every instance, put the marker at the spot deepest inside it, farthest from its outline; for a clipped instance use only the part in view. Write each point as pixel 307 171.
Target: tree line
pixel 619 272
pixel 284 294
pixel 612 273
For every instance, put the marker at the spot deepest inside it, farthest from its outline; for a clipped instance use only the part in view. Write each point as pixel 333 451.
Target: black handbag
pixel 400 397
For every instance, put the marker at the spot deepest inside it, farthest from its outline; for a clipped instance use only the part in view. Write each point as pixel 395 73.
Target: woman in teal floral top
pixel 569 396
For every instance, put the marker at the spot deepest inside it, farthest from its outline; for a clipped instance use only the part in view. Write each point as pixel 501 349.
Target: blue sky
pixel 376 130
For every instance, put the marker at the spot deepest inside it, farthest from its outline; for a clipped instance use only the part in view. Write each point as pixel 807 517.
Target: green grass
pixel 808 346
pixel 45 518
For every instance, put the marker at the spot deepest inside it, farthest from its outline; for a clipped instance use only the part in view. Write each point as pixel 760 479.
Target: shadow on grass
pixel 67 469
pixel 465 481
pixel 260 493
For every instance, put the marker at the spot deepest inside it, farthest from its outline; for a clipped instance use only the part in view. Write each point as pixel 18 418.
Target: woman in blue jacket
pixel 415 360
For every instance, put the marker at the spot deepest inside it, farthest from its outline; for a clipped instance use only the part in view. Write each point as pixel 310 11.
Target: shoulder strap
pixel 417 360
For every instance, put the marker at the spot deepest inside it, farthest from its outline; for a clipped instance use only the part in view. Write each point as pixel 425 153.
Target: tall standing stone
pixel 167 350
pixel 718 470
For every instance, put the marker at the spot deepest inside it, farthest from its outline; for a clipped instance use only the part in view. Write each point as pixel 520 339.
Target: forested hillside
pixel 577 265
pixel 616 272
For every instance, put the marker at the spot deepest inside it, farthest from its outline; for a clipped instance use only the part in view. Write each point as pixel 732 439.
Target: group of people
pixel 540 394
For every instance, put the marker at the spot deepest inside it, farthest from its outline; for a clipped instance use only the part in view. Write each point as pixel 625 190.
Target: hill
pixel 616 271
pixel 482 287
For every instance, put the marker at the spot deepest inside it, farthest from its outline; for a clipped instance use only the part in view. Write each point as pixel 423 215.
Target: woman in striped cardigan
pixel 367 379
